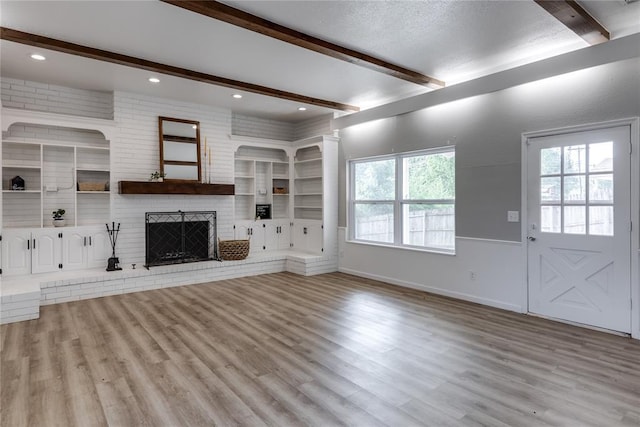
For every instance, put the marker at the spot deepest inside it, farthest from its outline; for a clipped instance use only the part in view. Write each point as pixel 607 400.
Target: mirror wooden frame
pixel 181 140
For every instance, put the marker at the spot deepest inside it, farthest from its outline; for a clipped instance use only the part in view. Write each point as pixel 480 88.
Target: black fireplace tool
pixel 113 264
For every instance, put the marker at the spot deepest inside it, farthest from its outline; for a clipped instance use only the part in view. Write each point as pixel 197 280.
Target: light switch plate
pixel 513 216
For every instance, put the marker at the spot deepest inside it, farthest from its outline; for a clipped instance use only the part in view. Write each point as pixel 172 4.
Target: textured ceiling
pixel 451 40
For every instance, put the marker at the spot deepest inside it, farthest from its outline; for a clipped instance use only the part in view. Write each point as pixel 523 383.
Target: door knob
pixel 531 238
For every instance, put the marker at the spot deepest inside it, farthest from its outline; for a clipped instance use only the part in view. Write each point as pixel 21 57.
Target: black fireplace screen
pixel 180 237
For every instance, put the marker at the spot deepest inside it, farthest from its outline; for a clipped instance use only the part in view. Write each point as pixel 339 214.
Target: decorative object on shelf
pixel 280 190
pixel 157 176
pixel 263 211
pixel 58 217
pixel 17 184
pixel 113 264
pixel 93 186
pixel 233 250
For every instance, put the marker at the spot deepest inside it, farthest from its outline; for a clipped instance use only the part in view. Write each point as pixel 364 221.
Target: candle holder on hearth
pixel 113 264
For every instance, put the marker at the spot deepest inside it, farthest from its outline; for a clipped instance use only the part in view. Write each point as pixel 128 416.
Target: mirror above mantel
pixel 179 149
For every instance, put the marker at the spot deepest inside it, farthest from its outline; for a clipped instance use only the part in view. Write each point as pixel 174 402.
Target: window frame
pixel 398 202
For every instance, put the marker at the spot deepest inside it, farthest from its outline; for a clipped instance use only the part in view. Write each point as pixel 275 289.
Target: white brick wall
pixel 261 128
pixel 135 155
pixel 313 127
pixel 29 95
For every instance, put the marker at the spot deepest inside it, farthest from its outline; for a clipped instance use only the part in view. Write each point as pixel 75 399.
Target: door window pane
pixel 601 220
pixel 574 159
pixel 374 222
pixel 601 188
pixel 430 225
pixel 550 189
pixel 574 188
pixel 601 157
pixel 574 220
pixel 375 180
pixel 550 161
pixel 550 219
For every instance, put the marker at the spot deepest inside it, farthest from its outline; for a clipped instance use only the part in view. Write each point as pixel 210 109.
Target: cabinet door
pixel 284 242
pixel 98 248
pixel 308 236
pixel 283 235
pixel 252 231
pixel 74 252
pixel 16 252
pixel 315 238
pixel 271 236
pixel 45 251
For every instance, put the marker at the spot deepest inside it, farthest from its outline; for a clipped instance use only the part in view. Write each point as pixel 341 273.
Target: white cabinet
pixel 266 235
pixel 30 251
pixel 73 175
pixel 261 177
pixel 277 235
pixel 299 181
pixel 315 192
pixel 26 251
pixel 308 236
pixel 85 248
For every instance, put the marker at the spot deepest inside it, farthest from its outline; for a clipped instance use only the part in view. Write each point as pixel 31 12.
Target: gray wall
pixel 486 131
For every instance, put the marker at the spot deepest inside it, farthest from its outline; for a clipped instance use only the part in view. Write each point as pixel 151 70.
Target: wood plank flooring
pixel 328 350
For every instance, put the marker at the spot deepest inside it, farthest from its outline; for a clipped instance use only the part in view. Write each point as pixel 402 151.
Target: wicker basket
pixel 92 186
pixel 233 250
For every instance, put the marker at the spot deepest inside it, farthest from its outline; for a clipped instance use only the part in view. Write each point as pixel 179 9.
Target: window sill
pixel 404 248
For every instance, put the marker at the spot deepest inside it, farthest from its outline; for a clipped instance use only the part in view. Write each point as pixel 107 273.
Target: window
pixel 404 200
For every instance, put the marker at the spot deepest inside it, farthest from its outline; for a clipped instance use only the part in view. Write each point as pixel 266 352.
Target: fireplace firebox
pixel 180 237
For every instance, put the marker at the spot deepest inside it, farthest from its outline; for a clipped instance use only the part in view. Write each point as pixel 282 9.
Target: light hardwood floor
pixel 328 350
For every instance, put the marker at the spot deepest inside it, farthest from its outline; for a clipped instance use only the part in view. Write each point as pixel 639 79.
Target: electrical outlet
pixel 513 216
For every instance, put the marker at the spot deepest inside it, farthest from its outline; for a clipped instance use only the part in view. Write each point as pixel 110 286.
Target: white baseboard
pixel 434 290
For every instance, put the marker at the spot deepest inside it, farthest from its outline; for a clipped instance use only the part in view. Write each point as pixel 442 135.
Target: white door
pixel 579 239
pixel 16 252
pixel 45 251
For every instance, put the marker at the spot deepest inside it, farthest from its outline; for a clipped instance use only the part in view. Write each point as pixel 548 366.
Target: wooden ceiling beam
pixel 577 19
pixel 242 19
pixel 156 67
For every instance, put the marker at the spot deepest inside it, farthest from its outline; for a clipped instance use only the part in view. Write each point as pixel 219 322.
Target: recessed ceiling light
pixel 38 57
pixel 154 80
pixel 237 96
pixel 302 109
pixel 195 126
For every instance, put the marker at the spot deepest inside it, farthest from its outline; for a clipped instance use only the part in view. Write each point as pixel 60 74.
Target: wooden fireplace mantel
pixel 175 187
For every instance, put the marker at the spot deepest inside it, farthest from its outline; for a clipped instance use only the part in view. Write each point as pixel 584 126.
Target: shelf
pixel 93 192
pixel 244 194
pixel 21 191
pixel 281 177
pixel 280 194
pixel 175 187
pixel 297 162
pixel 244 176
pixel 308 207
pixel 5 166
pixel 308 194
pixel 300 178
pixel 92 170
